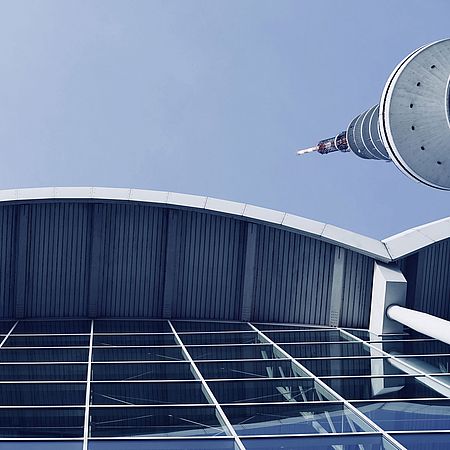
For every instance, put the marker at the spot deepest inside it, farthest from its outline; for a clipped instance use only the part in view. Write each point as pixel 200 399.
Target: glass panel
pixel 415 347
pixel 41 422
pixel 408 416
pixel 41 445
pixel 365 442
pixel 47 341
pixel 307 336
pixel 160 421
pixel 383 387
pixel 220 338
pixel 296 418
pixel 134 339
pixel 138 354
pixel 146 371
pixel 43 372
pixel 327 350
pixel 270 368
pixel 159 444
pixel 351 367
pixel 256 351
pixel 188 326
pixel 43 355
pixel 44 394
pixel 429 364
pixel 283 326
pixel 156 393
pixel 424 441
pixel 53 327
pixel 131 326
pixel 5 327
pixel 257 391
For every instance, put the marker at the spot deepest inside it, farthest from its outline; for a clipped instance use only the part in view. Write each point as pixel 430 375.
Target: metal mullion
pixel 214 332
pixel 50 335
pixel 258 378
pixel 211 396
pixel 317 342
pixel 352 408
pixel 227 345
pixel 399 361
pixel 88 391
pixel 9 333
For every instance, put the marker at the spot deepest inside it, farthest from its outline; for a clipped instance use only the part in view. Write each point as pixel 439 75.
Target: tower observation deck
pixel 411 124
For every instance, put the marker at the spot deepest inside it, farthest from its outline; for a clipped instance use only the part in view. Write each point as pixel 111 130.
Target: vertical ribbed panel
pixel 293 278
pixel 56 266
pixel 428 276
pixel 132 258
pixel 210 270
pixel 7 260
pixel 358 277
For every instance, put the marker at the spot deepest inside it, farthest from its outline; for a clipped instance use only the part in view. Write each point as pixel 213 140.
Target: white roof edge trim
pixel 386 250
pixel 414 239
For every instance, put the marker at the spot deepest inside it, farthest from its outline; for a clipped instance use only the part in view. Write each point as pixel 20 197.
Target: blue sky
pixel 211 98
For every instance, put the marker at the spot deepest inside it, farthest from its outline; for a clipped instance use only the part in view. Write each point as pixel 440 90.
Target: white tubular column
pixel 424 323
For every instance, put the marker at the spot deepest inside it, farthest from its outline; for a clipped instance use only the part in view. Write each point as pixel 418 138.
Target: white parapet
pixel 421 322
pixel 389 288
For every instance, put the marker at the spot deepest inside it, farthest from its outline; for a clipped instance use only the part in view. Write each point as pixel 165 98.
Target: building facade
pixel 138 319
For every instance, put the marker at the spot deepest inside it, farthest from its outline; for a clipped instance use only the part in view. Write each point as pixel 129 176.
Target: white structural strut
pixel 424 323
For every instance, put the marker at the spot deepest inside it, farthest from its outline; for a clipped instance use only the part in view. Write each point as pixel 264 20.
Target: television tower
pixel 411 124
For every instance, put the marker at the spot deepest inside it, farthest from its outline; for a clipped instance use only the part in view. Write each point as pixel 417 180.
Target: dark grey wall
pixel 119 259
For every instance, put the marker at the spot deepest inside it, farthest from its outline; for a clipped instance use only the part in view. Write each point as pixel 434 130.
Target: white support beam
pixel 389 288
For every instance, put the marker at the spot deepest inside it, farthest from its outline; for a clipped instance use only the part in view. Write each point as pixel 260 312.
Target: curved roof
pixel 102 252
pixel 386 250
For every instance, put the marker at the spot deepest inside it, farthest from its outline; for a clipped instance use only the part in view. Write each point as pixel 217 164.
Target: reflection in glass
pixel 41 445
pixel 256 351
pixel 53 327
pixel 159 444
pixel 416 347
pixel 137 354
pixel 270 368
pixel 134 339
pixel 131 326
pixel 261 391
pixel 5 327
pixel 156 421
pixel 10 354
pixel 44 394
pixel 191 326
pixel 327 350
pixel 351 367
pixel 284 327
pixel 424 441
pixel 384 387
pixel 220 338
pixel 43 372
pixel 154 393
pixel 296 418
pixel 142 371
pixel 408 416
pixel 47 341
pixel 307 336
pixel 41 423
pixel 356 442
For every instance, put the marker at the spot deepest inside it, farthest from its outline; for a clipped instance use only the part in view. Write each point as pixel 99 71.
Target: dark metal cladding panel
pixel 7 260
pixel 132 260
pixel 211 253
pixel 293 278
pixel 57 260
pixel 357 293
pixel 428 276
